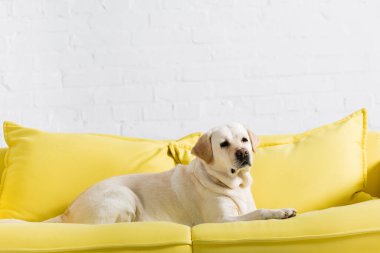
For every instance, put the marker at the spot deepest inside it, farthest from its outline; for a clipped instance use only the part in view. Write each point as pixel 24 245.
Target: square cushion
pixel 316 169
pixel 115 238
pixel 44 172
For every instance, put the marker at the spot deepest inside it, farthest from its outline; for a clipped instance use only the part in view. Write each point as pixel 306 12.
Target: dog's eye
pixel 224 144
pixel 244 139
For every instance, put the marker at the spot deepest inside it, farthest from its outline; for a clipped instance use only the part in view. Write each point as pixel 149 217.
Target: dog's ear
pixel 254 140
pixel 203 148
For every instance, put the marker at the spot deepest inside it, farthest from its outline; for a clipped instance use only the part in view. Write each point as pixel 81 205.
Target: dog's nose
pixel 242 154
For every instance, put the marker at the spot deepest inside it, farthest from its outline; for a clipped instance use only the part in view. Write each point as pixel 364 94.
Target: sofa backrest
pixel 373 163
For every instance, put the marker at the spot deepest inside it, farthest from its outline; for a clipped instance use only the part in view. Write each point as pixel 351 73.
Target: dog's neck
pixel 206 175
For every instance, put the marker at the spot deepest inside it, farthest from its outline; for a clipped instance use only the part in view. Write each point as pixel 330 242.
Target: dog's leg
pixel 56 219
pixel 263 214
pixel 105 205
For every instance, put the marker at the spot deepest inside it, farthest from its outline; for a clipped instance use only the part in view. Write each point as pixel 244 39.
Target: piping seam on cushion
pixel 289 239
pixel 88 248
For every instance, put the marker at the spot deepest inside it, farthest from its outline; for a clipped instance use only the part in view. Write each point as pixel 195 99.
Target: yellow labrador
pixel 214 187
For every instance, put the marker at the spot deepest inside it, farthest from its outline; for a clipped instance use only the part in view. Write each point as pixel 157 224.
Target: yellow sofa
pixel 354 227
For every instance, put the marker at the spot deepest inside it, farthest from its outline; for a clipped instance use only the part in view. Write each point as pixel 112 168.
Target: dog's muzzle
pixel 242 158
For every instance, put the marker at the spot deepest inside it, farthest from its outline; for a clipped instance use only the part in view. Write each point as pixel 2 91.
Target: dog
pixel 215 187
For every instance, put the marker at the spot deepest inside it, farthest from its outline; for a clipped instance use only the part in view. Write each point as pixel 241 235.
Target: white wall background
pixel 165 68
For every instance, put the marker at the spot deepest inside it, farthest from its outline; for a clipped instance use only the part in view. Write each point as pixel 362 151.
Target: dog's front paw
pixel 285 213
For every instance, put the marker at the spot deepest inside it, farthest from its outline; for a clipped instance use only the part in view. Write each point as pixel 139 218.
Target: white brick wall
pixel 166 68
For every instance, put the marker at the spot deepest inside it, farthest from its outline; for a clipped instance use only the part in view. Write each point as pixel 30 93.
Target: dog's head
pixel 227 148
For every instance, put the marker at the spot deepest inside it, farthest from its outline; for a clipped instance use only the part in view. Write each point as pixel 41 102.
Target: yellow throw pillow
pixel 44 172
pixel 317 169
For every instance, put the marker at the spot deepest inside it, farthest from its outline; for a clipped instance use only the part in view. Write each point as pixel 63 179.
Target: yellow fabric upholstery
pixel 373 160
pixel 2 156
pixel 121 237
pixel 373 164
pixel 50 170
pixel 360 197
pixel 350 229
pixel 181 149
pixel 317 169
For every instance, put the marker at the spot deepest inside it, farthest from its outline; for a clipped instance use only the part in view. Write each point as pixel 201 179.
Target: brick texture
pixel 165 68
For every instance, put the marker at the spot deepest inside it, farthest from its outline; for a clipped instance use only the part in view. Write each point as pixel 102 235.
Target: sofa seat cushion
pixel 120 237
pixel 351 228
